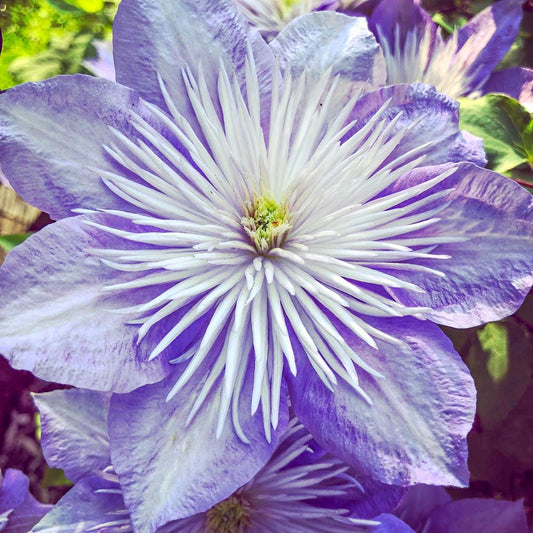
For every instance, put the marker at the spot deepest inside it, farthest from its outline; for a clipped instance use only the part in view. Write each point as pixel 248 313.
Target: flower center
pixel 231 515
pixel 266 223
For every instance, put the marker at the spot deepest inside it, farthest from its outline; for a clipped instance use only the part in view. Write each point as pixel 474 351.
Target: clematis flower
pixel 19 510
pixel 415 49
pixel 299 488
pixel 239 226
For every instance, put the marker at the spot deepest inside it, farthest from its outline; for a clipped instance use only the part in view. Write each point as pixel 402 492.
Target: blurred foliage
pixel 54 477
pixel 500 358
pixel 44 38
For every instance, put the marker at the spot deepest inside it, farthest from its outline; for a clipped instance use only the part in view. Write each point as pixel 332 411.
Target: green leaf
pixel 494 340
pixel 500 359
pixel 505 126
pixel 54 477
pixel 8 242
pixel 89 6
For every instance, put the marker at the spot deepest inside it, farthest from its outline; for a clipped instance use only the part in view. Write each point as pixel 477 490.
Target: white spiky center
pixel 427 58
pixel 246 306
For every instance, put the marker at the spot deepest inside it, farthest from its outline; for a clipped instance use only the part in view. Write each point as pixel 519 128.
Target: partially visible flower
pixel 19 510
pixel 431 509
pixel 415 49
pixel 102 65
pixel 251 228
pixel 299 488
pixel 271 16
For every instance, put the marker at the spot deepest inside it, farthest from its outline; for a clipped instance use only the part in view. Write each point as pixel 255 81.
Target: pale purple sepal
pixel 57 321
pixel 170 470
pixel 432 117
pixel 319 41
pixel 166 36
pixel 487 37
pixel 408 435
pixel 516 82
pixel 19 510
pixel 391 524
pixel 85 509
pixel 102 65
pixel 490 269
pixel 52 135
pixel 74 434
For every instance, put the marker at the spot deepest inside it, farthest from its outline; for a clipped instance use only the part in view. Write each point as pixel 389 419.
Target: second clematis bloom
pixel 298 488
pixel 240 225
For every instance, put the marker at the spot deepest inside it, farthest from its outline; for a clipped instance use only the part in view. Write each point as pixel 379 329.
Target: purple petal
pixel 15 499
pixel 391 524
pixel 516 82
pixel 415 431
pixel 491 271
pixel 85 509
pixel 438 123
pixel 74 431
pixel 51 132
pixel 420 502
pixel 406 15
pixel 488 36
pixel 166 36
pixel 377 498
pixel 319 41
pixel 56 321
pixel 170 470
pixel 479 515
pixel 102 65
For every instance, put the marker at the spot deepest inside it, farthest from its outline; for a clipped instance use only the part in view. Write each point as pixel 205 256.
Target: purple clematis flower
pixel 415 49
pixel 243 225
pixel 299 487
pixel 19 510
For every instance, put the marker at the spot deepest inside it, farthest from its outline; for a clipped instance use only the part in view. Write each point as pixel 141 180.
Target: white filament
pixel 256 310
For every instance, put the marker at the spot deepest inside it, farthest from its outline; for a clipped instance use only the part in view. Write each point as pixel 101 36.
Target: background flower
pixel 318 492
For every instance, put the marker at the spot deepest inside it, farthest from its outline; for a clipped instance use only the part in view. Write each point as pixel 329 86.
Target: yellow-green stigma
pixel 231 515
pixel 266 223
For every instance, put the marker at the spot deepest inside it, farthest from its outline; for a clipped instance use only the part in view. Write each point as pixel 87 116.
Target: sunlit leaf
pixel 504 125
pixel 494 341
pixel 8 242
pixel 500 359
